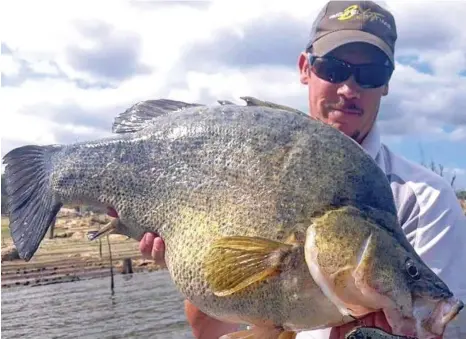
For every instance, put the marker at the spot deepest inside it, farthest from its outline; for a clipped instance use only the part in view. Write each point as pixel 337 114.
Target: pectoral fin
pixel 107 229
pixel 234 263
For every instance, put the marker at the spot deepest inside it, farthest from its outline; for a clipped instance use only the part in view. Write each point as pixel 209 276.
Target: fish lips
pixel 432 316
pixel 443 313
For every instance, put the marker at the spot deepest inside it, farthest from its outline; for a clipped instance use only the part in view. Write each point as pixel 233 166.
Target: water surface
pixel 145 306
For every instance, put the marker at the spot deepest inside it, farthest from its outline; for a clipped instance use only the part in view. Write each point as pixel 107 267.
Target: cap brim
pixel 336 39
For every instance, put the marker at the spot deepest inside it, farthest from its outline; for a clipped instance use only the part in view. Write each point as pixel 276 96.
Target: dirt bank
pixel 70 256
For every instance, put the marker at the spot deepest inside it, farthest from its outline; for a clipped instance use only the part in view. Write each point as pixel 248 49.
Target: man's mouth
pixel 349 108
pixel 350 111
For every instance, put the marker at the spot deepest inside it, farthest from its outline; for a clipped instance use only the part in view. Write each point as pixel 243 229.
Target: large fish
pixel 269 217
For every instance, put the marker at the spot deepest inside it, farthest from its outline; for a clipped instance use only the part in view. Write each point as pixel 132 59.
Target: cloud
pixel 17 70
pixel 157 5
pixel 83 63
pixel 106 52
pixel 420 103
pixel 428 27
pixel 272 40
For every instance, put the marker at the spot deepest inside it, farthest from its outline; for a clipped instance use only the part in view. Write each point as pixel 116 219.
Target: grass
pixel 5 228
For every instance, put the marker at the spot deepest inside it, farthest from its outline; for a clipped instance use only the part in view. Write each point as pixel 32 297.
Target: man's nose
pixel 349 89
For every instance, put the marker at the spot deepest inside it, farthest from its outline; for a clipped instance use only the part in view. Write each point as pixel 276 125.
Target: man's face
pixel 345 105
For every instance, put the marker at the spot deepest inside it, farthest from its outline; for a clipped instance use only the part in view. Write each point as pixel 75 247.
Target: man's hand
pixel 374 319
pixel 203 326
pixel 152 247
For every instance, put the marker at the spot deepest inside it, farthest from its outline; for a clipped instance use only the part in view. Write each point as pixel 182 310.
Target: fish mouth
pixel 455 310
pixel 428 320
pixel 443 313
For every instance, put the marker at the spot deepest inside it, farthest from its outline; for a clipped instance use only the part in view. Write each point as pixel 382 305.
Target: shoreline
pixel 70 256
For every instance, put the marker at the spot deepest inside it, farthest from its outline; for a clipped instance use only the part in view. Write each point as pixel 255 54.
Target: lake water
pixel 145 306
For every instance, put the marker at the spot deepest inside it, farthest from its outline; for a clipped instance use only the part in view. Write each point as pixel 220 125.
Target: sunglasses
pixel 335 71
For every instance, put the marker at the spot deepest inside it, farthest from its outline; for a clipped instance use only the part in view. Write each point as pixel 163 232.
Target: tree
pixel 436 168
pixel 461 194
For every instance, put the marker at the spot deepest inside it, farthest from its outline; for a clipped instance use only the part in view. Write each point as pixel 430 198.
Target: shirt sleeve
pixel 435 225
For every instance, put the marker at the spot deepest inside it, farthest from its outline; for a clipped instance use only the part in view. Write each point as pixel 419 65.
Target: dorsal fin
pixel 139 115
pixel 251 101
pixel 225 102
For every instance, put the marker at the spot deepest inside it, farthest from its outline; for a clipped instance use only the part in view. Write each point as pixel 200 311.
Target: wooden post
pixel 112 283
pixel 52 229
pixel 127 266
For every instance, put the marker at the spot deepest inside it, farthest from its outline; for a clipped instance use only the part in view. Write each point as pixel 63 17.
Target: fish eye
pixel 412 270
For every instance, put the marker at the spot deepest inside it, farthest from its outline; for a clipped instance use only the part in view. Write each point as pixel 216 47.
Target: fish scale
pixel 255 205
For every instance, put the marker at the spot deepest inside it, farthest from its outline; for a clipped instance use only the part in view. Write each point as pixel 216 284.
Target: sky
pixel 69 67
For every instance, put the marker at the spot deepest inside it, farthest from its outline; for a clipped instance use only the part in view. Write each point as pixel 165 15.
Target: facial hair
pixel 341 104
pixel 356 135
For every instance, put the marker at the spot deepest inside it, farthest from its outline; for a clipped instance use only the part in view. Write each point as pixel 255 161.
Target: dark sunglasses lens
pixel 372 76
pixel 367 76
pixel 330 70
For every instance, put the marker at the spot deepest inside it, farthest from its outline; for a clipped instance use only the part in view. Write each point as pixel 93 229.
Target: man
pixel 348 98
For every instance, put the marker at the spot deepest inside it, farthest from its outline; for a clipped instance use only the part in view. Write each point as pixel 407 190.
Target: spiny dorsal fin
pixel 251 101
pixel 225 102
pixel 139 115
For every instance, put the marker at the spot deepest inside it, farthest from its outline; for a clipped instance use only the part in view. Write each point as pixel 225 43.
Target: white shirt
pixel 431 218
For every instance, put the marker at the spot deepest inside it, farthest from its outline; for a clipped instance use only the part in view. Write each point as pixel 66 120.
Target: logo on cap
pixel 355 12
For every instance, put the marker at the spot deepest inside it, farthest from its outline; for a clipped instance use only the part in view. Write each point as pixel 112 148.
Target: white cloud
pixel 9 65
pixel 447 64
pixel 281 83
pixel 47 87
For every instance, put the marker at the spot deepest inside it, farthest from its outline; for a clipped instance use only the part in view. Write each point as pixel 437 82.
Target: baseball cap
pixel 342 22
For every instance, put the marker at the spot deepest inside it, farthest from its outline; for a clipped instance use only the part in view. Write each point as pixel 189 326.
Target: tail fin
pixel 31 203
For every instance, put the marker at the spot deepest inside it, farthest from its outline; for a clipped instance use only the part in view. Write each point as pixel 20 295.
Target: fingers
pixel 145 245
pixel 152 247
pixel 158 251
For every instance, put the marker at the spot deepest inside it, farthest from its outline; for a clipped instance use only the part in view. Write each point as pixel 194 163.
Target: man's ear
pixel 303 66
